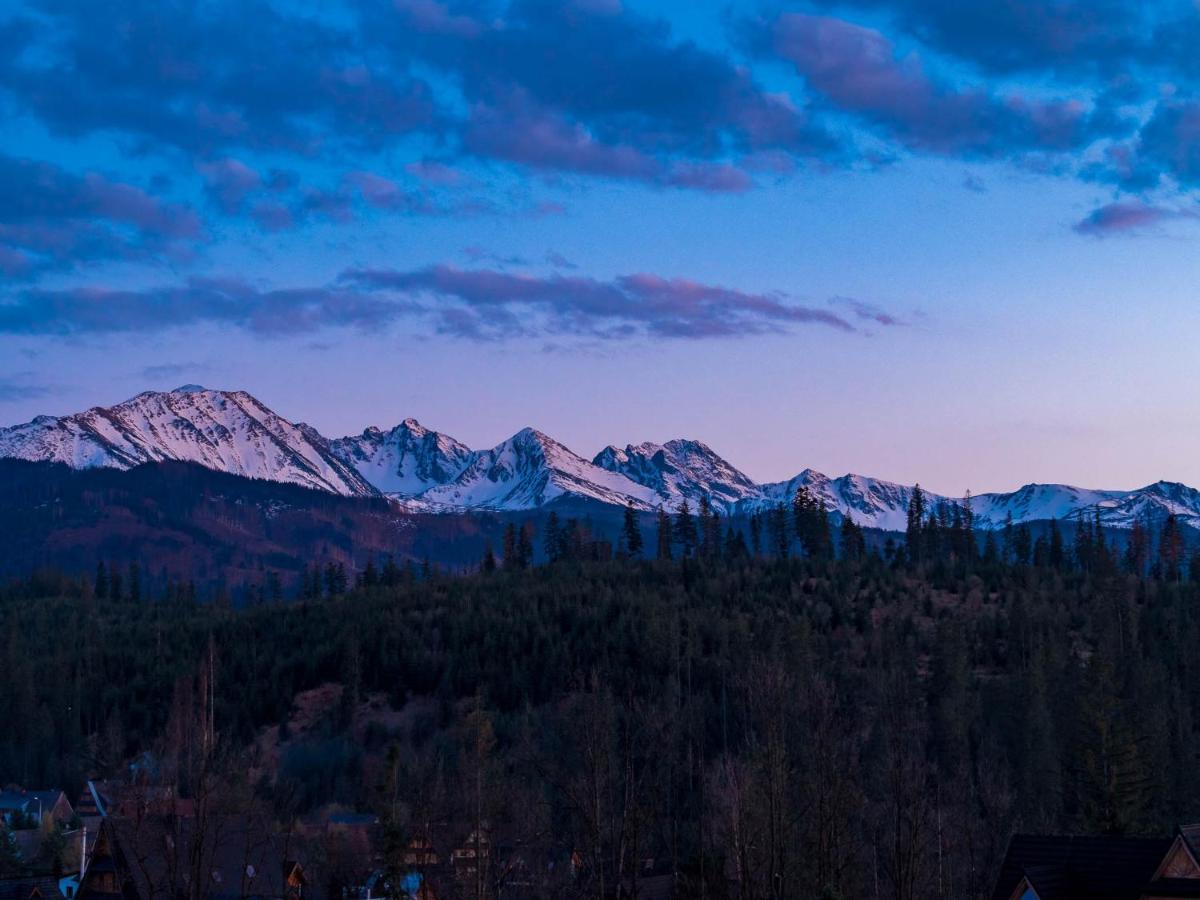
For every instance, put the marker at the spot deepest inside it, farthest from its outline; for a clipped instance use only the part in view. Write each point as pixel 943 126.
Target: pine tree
pixel 370 574
pixel 663 548
pixel 685 529
pixel 101 580
pixel 1058 555
pixel 135 583
pixel 755 535
pixel 489 559
pixel 854 543
pixel 1170 549
pixel 777 524
pixel 631 532
pixel 914 531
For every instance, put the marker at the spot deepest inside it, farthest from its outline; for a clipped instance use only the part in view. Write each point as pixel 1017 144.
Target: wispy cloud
pixel 480 304
pixel 1128 217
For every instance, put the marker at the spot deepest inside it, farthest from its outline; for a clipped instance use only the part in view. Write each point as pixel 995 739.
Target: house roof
pixel 29 801
pixel 235 855
pixel 1077 867
pixel 45 887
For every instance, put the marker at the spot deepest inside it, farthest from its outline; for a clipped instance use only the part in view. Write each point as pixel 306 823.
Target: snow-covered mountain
pixel 406 460
pixel 233 432
pixel 679 470
pixel 529 470
pixel 225 430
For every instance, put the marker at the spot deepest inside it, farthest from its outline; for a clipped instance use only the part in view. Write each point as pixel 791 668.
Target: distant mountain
pixel 228 431
pixel 679 470
pixel 530 470
pixel 426 471
pixel 406 460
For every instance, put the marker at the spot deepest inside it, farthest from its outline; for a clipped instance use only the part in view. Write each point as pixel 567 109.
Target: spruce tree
pixel 663 548
pixel 631 532
pixel 685 529
pixel 915 525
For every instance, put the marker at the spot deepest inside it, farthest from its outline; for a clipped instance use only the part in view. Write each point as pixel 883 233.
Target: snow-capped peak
pixel 233 432
pixel 679 470
pixel 228 431
pixel 406 460
pixel 531 469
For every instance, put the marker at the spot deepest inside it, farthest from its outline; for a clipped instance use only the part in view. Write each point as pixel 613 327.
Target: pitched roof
pixel 45 887
pixel 29 801
pixel 1077 867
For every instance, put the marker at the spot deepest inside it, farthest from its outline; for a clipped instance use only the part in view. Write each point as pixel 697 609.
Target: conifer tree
pixel 777 524
pixel 663 543
pixel 914 531
pixel 489 559
pixel 755 535
pixel 1170 549
pixel 685 529
pixel 1057 553
pixel 101 587
pixel 631 532
pixel 854 544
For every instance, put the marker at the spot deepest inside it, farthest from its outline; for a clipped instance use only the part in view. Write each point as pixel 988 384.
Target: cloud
pixel 1078 37
pixel 868 312
pixel 197 301
pixel 212 76
pixel 860 72
pixel 1126 217
pixel 18 387
pixel 52 219
pixel 489 303
pixel 478 304
pixel 559 261
pixel 587 88
pixel 229 182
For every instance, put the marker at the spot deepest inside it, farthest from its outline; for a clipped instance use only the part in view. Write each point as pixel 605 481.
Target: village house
pixel 30 809
pixel 1101 868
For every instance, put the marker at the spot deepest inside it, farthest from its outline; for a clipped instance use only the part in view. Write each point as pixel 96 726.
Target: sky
pixel 922 240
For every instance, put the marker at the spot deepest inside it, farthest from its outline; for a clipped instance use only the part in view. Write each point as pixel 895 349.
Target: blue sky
pixel 916 239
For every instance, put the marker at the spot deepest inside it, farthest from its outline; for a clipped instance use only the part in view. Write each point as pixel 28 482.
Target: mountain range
pixel 429 472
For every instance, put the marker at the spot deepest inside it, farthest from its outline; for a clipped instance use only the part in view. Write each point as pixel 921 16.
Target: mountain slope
pixel 406 460
pixel 679 470
pixel 529 470
pixel 228 431
pixel 232 432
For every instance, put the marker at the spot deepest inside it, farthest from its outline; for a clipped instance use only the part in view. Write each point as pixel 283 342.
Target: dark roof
pixel 23 888
pixel 236 856
pixel 28 801
pixel 1074 868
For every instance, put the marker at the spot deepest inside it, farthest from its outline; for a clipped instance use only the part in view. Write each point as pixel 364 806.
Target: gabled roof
pixel 29 801
pixel 35 888
pixel 1076 867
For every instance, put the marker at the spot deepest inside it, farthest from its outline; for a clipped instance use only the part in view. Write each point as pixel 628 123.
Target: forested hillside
pixel 798 727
